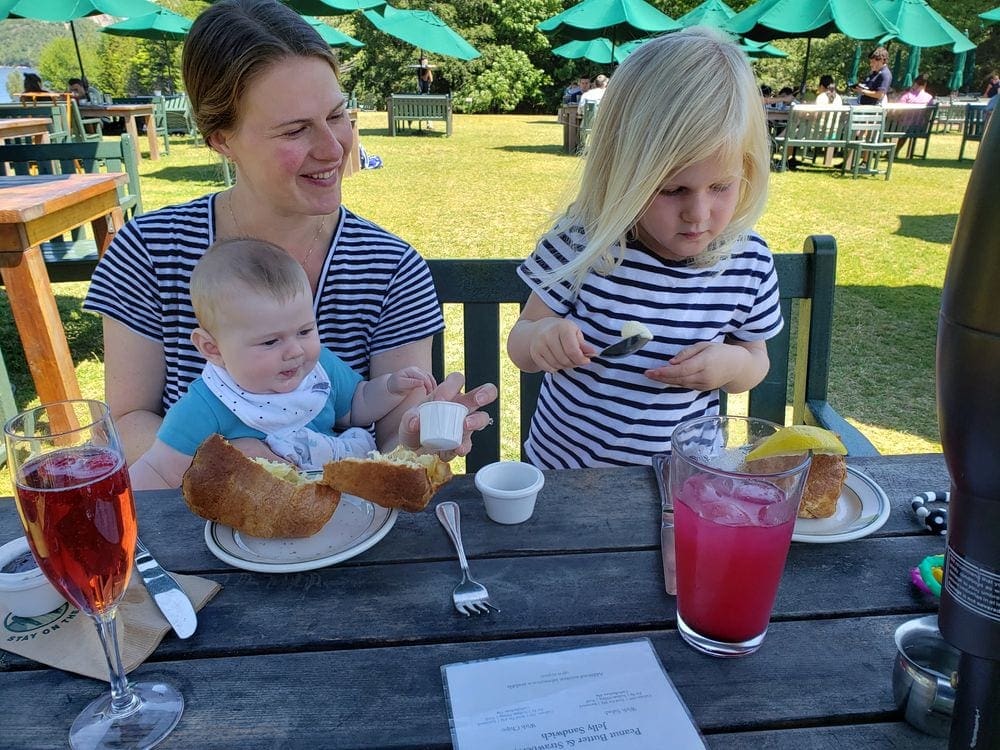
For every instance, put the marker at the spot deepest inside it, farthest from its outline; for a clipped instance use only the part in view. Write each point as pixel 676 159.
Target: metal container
pixel 924 676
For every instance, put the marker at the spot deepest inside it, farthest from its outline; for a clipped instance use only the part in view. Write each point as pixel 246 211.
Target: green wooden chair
pixel 973 127
pixel 74 259
pixel 800 364
pixel 586 124
pixel 58 130
pixel 8 407
pixel 865 136
pixel 82 128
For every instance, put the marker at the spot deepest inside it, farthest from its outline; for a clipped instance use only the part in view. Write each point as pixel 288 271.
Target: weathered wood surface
pixel 350 656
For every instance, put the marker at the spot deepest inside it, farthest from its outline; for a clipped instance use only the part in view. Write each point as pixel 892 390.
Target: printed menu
pixel 613 697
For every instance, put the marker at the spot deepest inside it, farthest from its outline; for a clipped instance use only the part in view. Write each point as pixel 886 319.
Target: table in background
pixel 32 211
pixel 350 656
pixel 569 118
pixel 36 128
pixel 130 113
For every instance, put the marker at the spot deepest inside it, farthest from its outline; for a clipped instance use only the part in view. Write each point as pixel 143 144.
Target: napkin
pixel 66 638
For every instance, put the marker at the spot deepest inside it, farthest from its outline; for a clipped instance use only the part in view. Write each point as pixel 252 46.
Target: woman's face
pixel 292 137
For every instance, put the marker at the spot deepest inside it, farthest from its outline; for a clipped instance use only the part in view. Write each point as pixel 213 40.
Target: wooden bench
pixel 588 114
pixel 419 107
pixel 799 373
pixel 910 122
pixel 179 118
pixel 812 127
pixel 74 259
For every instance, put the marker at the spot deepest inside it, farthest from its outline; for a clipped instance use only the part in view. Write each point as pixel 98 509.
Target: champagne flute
pixel 72 492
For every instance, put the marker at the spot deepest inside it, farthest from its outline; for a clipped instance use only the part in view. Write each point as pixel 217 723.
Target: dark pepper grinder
pixel 968 395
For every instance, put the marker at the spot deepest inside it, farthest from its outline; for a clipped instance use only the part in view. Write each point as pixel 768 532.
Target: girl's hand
pixel 410 378
pixel 704 366
pixel 450 389
pixel 558 344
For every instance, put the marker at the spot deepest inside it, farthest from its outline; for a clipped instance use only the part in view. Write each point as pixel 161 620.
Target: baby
pixel 267 376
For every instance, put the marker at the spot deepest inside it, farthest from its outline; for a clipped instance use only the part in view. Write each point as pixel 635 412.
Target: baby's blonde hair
pixel 677 100
pixel 231 266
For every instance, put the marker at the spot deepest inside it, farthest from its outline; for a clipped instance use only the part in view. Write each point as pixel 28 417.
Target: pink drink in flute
pixel 73 495
pixel 733 529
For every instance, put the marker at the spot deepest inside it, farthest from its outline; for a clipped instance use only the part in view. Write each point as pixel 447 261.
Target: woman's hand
pixel 450 389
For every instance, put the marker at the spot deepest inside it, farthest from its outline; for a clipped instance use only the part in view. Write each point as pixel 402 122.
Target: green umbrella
pixel 67 11
pixel 714 13
pixel 777 19
pixel 991 16
pixel 333 37
pixel 616 19
pixel 912 67
pixel 852 77
pixel 331 7
pixel 760 49
pixel 162 25
pixel 422 29
pixel 957 75
pixel 597 50
pixel 919 25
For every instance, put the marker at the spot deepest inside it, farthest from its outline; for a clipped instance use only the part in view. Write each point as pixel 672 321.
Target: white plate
pixel 356 525
pixel 862 509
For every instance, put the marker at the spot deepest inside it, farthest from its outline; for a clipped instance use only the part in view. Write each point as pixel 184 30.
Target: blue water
pixel 5 71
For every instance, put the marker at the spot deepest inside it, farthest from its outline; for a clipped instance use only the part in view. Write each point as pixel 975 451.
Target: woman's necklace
pixel 315 240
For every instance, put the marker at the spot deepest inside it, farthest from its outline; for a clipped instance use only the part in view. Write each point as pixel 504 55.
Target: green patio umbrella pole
pixel 76 46
pixel 852 77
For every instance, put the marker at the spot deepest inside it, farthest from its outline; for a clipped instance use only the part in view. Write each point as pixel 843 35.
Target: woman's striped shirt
pixel 375 292
pixel 608 413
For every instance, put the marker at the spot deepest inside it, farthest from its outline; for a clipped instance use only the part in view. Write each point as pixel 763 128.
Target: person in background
pixel 596 92
pixel 425 76
pixel 78 89
pixel 660 232
pixel 917 93
pixel 34 90
pixel 875 88
pixel 266 374
pixel 575 90
pixel 826 94
pixel 264 91
pixel 992 86
pixel 786 98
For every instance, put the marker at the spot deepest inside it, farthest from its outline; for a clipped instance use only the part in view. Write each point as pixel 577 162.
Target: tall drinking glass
pixel 72 492
pixel 733 525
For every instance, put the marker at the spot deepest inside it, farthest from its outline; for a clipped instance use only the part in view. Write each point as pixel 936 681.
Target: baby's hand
pixel 558 345
pixel 409 378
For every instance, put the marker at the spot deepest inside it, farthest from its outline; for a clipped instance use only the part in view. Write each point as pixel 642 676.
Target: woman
pixel 264 91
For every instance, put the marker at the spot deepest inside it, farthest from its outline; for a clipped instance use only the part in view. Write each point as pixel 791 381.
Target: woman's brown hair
pixel 230 44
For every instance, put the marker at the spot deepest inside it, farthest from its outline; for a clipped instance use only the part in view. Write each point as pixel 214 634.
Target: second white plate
pixel 862 509
pixel 356 525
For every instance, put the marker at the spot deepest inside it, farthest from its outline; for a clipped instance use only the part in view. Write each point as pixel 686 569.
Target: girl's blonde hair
pixel 678 99
pixel 232 266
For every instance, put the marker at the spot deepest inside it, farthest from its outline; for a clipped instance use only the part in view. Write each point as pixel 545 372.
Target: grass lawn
pixel 489 190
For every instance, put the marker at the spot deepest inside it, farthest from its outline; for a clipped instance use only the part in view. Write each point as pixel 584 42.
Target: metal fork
pixel 470 596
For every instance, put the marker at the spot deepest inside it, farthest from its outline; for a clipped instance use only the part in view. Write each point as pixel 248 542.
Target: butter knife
pixel 167 593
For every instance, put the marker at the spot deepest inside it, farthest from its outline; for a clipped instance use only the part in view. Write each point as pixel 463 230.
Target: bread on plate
pixel 255 496
pixel 399 479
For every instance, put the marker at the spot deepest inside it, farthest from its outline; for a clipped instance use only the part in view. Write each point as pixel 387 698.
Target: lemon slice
pixel 796 439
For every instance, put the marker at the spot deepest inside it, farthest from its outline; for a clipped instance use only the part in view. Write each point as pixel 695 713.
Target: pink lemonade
pixel 732 538
pixel 77 509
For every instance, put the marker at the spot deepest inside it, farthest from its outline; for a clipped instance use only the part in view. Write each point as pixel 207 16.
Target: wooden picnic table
pixel 130 113
pixel 32 211
pixel 349 656
pixel 569 117
pixel 36 128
